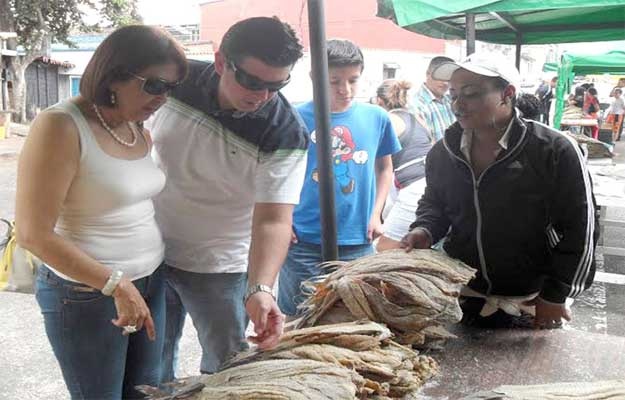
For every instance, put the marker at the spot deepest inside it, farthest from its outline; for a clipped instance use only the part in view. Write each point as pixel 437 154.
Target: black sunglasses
pixel 250 82
pixel 155 86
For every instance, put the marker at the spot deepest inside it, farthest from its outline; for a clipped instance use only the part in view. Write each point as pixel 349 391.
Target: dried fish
pixel 387 368
pixel 413 293
pixel 282 380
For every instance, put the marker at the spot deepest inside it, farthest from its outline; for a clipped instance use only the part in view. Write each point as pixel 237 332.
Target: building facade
pixel 390 51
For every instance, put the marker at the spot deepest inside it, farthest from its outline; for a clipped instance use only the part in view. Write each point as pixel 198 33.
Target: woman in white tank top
pixel 84 206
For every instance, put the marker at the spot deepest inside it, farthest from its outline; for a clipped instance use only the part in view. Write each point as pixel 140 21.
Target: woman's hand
pixel 131 309
pixel 375 227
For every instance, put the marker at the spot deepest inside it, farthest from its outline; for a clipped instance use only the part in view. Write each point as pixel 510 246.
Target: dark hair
pixel 592 91
pixel 436 62
pixel 344 53
pixel 268 39
pixel 529 105
pixel 394 93
pixel 126 51
pixel 578 96
pixel 500 84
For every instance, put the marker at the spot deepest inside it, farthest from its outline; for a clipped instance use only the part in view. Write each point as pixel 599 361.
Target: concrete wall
pixel 351 19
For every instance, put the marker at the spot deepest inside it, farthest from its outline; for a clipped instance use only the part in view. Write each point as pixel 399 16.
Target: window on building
pixel 390 70
pixel 74 82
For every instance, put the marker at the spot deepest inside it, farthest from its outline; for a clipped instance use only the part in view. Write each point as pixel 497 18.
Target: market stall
pixel 515 22
pixel 571 64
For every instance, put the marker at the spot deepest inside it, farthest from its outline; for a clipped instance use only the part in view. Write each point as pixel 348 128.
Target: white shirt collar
pixel 467 139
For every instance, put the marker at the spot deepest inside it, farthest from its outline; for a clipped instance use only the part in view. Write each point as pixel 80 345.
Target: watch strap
pixel 255 289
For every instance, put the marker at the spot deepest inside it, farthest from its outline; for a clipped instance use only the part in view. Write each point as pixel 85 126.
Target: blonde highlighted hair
pixel 394 93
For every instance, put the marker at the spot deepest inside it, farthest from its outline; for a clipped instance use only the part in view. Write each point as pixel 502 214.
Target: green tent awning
pixel 612 62
pixel 550 67
pixel 537 21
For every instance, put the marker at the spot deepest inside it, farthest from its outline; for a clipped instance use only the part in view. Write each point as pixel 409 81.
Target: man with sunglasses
pixel 234 153
pixel 514 200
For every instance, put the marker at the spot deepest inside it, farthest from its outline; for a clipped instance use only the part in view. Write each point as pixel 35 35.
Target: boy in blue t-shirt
pixel 363 141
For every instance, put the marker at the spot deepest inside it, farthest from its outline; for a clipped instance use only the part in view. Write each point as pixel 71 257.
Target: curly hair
pixel 394 93
pixel 529 105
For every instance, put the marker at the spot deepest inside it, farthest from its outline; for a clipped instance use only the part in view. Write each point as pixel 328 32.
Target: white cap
pixel 480 64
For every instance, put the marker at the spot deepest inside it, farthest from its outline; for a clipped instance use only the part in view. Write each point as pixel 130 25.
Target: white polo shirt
pixel 218 164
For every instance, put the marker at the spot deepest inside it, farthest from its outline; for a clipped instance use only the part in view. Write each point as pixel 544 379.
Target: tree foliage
pixel 38 23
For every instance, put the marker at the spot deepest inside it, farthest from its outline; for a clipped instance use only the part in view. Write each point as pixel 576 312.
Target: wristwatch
pixel 255 289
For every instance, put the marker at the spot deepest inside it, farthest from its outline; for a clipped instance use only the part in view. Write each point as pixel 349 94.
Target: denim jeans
pixel 96 360
pixel 302 264
pixel 215 304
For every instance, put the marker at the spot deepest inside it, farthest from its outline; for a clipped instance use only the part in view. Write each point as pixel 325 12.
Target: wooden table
pixel 579 122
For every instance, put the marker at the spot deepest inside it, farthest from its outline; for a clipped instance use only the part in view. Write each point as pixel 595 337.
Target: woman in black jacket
pixel 512 198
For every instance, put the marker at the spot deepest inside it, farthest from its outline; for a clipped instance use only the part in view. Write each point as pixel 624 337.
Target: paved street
pixel 28 369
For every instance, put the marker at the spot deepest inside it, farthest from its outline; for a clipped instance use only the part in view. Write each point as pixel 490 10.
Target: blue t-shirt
pixel 359 136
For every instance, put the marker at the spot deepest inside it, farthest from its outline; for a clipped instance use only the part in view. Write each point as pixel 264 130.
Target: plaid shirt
pixel 436 113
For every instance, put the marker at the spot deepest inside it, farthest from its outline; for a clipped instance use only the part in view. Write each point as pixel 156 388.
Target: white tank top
pixel 108 212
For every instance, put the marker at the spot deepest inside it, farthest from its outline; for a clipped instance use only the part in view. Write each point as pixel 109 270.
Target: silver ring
pixel 130 328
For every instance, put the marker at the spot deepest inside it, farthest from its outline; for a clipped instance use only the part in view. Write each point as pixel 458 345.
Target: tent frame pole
pixel 325 166
pixel 519 43
pixel 469 27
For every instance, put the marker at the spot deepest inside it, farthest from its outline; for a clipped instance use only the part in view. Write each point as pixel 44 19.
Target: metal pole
pixel 519 42
pixel 319 61
pixel 469 28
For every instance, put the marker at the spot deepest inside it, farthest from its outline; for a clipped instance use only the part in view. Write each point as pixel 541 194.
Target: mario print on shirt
pixel 343 151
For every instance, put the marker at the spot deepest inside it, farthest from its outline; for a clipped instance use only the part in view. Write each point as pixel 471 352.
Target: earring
pixel 113 98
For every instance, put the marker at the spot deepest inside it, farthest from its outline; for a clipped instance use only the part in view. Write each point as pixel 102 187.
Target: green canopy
pixel 511 21
pixel 550 67
pixel 612 62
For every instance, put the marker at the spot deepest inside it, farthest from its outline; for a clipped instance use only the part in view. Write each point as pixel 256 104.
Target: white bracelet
pixel 113 281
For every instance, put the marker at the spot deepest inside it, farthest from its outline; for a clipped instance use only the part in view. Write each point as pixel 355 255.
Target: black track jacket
pixel 527 224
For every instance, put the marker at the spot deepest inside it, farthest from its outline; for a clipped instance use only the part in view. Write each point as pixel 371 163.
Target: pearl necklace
pixel 113 134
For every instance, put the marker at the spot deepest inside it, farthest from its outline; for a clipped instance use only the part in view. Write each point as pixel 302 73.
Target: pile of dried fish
pixel 355 360
pixel 596 148
pixel 281 380
pixel 387 369
pixel 413 293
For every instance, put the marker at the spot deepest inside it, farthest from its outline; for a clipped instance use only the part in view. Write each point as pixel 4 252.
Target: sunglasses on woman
pixel 250 82
pixel 155 86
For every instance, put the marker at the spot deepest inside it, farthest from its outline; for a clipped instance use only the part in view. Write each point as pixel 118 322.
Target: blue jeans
pixel 302 264
pixel 96 360
pixel 215 304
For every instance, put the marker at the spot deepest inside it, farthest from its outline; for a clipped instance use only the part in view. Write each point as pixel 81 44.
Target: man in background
pixel 432 103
